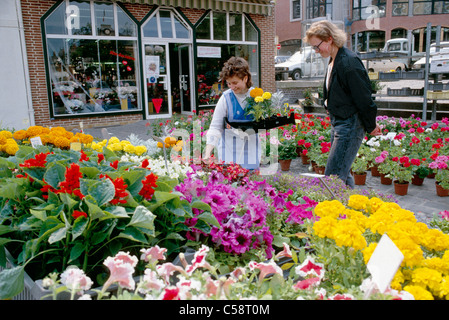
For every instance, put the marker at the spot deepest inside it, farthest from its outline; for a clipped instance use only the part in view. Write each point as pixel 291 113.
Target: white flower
pixel 75 279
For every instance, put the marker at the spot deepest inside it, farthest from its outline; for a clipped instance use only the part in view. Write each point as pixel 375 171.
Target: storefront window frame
pixel 116 37
pixel 360 9
pixel 208 15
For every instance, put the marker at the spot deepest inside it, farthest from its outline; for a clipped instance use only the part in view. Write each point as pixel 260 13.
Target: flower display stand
pixel 265 124
pixel 285 164
pixel 441 192
pixel 400 189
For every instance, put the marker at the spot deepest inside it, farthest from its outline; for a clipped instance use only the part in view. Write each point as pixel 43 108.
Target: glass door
pixel 185 80
pixel 157 81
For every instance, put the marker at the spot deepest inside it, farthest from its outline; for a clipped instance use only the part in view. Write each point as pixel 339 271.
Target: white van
pixel 444 51
pixel 303 63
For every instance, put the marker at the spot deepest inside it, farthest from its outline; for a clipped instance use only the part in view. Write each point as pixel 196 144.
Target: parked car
pixel 303 63
pixel 444 51
pixel 279 59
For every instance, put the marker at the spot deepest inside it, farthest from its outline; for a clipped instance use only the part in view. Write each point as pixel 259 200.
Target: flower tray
pixel 265 124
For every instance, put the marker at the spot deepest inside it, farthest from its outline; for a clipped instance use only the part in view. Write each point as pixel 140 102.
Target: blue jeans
pixel 346 137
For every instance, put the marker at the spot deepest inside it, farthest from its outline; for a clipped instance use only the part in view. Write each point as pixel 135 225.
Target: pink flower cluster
pixel 382 157
pixel 440 162
pixel 241 212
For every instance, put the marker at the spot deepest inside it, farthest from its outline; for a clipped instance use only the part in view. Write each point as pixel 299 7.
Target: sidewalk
pixel 422 200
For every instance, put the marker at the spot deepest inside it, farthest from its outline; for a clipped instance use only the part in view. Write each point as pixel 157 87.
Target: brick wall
pixel 33 10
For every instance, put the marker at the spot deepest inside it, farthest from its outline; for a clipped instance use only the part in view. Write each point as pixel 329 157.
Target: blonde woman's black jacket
pixel 350 90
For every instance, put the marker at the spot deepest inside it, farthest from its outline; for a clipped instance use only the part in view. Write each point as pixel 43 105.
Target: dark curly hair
pixel 236 66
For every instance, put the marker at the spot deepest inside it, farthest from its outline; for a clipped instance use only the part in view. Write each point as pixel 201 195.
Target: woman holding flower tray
pixel 347 98
pixel 234 145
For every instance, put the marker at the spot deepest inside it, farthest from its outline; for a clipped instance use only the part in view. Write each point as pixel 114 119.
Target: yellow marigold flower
pixel 129 148
pixel 256 92
pixel 426 277
pixel 413 254
pixel 442 291
pixel 170 140
pixel 436 263
pixel 20 135
pixel 7 134
pixel 140 150
pixel 397 281
pixel 61 142
pixel 358 202
pixel 374 204
pixel 11 147
pixel 258 99
pixel 324 228
pixel 418 292
pixel 114 140
pixel 34 131
pixel 160 145
pixel 435 239
pixel 368 251
pixel 356 216
pixel 266 95
pixel 332 208
pixel 86 138
pixel 348 234
pixel 115 147
pixel 3 140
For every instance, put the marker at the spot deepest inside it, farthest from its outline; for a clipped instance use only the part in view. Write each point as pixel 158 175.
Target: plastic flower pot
pixel 441 192
pixel 400 189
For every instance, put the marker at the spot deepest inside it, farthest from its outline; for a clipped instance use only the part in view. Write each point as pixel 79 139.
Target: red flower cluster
pixel 71 184
pixel 38 161
pixel 120 189
pixel 77 214
pixel 325 147
pixel 149 184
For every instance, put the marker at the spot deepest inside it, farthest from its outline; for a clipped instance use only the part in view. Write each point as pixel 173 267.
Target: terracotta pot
pixel 305 158
pixel 440 191
pixel 431 175
pixel 375 172
pixel 298 151
pixel 285 164
pixel 360 179
pixel 319 170
pixel 400 189
pixel 384 180
pixel 417 181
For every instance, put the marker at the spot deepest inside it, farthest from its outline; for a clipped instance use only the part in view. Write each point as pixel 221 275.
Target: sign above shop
pixel 209 52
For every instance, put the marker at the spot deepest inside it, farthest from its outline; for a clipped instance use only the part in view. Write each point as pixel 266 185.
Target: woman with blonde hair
pixel 347 98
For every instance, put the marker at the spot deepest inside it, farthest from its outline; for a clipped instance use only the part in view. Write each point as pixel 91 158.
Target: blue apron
pixel 237 146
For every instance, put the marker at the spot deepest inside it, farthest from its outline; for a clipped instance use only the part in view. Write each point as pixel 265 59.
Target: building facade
pixel 111 62
pixel 369 23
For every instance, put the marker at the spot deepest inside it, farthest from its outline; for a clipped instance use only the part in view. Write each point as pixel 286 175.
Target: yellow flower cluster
pixel 57 136
pixel 171 142
pixel 425 269
pixel 114 144
pixel 259 95
pixel 7 143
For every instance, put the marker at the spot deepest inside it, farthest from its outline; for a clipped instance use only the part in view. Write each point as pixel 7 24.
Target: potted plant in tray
pixel 359 167
pixel 403 174
pixel 286 150
pixel 441 167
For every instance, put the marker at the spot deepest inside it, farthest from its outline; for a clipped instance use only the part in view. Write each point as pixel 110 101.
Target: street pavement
pixel 421 200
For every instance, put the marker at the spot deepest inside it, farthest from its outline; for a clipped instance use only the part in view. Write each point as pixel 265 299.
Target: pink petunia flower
pixel 310 269
pixel 307 283
pixel 265 268
pixel 121 268
pixel 153 254
pixel 75 279
pixel 286 252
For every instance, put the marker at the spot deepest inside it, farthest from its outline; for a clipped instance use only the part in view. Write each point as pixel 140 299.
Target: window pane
pixel 104 19
pixel 209 87
pixel 151 28
pixel 203 29
pixel 55 23
pixel 84 27
pixel 400 9
pixel 296 9
pixel 126 26
pixel 250 31
pixel 422 8
pixel 166 24
pixel 92 76
pixel 181 31
pixel 219 25
pixel 235 26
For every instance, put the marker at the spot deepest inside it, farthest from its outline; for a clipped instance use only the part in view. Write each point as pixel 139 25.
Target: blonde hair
pixel 324 30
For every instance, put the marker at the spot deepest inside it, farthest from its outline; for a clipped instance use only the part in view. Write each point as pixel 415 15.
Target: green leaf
pixel 11 282
pixel 4 241
pixel 79 226
pixel 68 201
pixel 102 190
pixel 5 229
pixel 41 215
pixel 90 172
pixel 209 218
pixel 142 218
pixel 95 212
pixel 133 234
pixel 109 155
pixel 58 235
pixel 198 204
pixel 76 251
pixel 55 174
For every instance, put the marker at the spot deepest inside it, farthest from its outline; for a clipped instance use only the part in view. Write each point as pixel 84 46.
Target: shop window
pixel 219 37
pixel 318 8
pixel 400 8
pixel 92 59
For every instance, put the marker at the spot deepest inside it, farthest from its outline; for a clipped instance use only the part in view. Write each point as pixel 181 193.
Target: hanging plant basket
pixel 265 124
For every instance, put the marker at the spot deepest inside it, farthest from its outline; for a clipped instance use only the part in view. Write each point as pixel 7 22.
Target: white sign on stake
pixel 36 141
pixel 384 262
